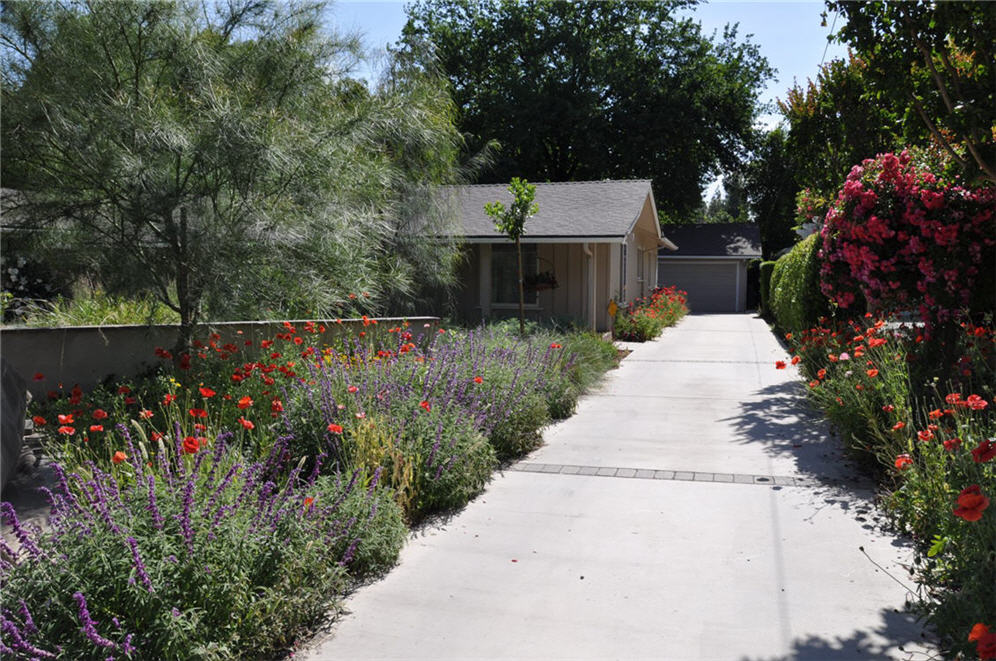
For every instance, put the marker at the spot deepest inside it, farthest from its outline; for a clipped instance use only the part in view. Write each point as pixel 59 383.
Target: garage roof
pixel 582 210
pixel 714 240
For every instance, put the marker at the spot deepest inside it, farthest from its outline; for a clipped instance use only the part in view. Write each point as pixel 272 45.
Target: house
pixel 711 264
pixel 591 242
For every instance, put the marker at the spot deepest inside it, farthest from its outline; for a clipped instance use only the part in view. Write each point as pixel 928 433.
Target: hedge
pixel 766 269
pixel 795 297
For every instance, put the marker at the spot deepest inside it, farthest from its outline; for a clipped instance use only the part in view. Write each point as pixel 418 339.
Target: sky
pixel 789 34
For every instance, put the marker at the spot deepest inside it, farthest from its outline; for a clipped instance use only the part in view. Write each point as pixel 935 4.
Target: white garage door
pixel 711 286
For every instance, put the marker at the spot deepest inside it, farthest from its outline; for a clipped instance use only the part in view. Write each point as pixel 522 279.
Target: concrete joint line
pixel 655 474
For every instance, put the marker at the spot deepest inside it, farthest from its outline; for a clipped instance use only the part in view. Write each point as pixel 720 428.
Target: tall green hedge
pixel 795 296
pixel 766 269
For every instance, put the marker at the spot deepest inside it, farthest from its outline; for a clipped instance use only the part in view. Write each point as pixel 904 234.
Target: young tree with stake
pixel 512 223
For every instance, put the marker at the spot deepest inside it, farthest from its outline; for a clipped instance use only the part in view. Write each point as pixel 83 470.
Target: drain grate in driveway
pixel 654 474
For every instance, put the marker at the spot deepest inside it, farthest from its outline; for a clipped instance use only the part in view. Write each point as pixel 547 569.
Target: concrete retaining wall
pixel 90 355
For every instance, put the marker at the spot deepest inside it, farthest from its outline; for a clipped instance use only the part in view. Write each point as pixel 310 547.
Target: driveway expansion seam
pixel 655 474
pixel 678 360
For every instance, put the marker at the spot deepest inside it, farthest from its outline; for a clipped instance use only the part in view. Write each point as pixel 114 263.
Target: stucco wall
pixel 89 355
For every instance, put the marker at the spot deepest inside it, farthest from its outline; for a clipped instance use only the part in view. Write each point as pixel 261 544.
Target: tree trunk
pixel 184 294
pixel 522 298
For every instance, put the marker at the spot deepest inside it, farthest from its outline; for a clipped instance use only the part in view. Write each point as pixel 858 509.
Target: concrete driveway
pixel 693 508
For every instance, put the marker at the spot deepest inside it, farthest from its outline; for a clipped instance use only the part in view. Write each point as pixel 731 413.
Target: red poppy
pixel 66 419
pixel 334 428
pixel 780 365
pixel 795 360
pixel 976 403
pixel 198 413
pixel 200 427
pixel 478 379
pixel 276 406
pixel 39 376
pixel 99 414
pixel 96 428
pixel 902 461
pixel 130 400
pixel 953 398
pixel 426 405
pixel 361 415
pixel 39 421
pixel 985 451
pixel 971 503
pixel 67 430
pixel 872 373
pixel 352 389
pixel 899 425
pixel 552 346
pixel 935 414
pixel 145 414
pixel 821 374
pixel 156 435
pixel 124 390
pixel 118 457
pixel 814 383
pixel 191 445
pixel 169 399
pixel 952 443
pixel 888 408
pixel 925 435
pixel 245 402
pixel 207 393
pixel 308 501
pixel 246 424
pixel 985 641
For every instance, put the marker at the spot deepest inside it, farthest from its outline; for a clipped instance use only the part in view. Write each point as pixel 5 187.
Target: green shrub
pixel 795 297
pixel 766 269
pixel 97 308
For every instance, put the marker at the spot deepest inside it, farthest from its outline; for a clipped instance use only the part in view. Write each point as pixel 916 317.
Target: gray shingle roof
pixel 714 240
pixel 568 209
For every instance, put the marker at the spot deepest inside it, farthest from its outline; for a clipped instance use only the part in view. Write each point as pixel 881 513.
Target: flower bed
pixel 935 447
pixel 645 318
pixel 221 506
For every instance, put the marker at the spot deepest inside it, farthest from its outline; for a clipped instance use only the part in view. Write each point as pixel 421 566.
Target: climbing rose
pixel 971 503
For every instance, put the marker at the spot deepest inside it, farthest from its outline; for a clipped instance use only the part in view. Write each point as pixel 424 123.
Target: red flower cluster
pixel 903 239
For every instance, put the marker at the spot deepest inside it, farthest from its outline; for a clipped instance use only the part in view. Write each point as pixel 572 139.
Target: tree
pixel 512 223
pixel 937 61
pixel 771 191
pixel 219 155
pixel 591 90
pixel 833 125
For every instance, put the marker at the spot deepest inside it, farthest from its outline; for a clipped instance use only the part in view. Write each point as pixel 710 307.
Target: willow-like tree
pixel 220 155
pixel 512 223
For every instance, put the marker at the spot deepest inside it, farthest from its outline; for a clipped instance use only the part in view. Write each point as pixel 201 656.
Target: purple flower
pixel 139 565
pixel 24 537
pixel 89 627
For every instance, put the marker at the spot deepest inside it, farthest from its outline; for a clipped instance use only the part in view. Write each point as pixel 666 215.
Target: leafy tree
pixel 833 125
pixel 771 190
pixel 512 223
pixel 936 60
pixel 218 154
pixel 593 90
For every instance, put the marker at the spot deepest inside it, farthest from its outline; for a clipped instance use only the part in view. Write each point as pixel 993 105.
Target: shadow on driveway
pixel 896 637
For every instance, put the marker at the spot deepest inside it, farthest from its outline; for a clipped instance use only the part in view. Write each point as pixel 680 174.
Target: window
pixel 505 273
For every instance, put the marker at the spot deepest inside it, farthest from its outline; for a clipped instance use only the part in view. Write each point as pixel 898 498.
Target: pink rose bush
pixel 904 239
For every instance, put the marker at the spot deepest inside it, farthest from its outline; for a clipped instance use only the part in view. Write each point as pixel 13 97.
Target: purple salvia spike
pixel 139 565
pixel 29 623
pixel 152 507
pixel 89 627
pixel 24 536
pixel 132 452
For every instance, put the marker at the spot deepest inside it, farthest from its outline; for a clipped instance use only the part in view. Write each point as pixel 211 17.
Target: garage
pixel 710 263
pixel 711 286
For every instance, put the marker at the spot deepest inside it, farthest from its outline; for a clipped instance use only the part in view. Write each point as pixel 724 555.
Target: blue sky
pixel 789 35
